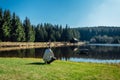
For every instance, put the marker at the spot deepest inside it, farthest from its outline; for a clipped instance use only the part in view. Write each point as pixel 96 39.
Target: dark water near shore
pixel 100 53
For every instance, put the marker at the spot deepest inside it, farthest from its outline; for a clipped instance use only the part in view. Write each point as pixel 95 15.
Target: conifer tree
pixel 6 25
pixel 1 21
pixel 17 30
pixel 29 31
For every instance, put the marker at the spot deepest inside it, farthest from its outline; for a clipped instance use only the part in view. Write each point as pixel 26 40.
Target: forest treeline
pixel 12 29
pixel 100 34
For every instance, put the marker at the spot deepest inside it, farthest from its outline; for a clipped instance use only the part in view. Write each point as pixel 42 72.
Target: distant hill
pixel 101 34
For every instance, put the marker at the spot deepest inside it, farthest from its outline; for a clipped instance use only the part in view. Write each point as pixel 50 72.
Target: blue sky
pixel 75 13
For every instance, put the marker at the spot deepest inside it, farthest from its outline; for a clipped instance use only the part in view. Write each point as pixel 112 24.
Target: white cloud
pixel 106 14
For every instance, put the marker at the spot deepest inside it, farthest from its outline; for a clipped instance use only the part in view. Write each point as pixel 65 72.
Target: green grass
pixel 34 69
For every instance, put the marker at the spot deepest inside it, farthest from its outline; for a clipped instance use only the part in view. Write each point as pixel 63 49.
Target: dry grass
pixel 25 45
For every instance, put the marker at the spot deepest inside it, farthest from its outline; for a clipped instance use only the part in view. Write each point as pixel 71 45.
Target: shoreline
pixel 6 46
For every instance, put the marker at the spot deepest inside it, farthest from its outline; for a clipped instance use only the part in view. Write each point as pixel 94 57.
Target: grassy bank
pixel 34 69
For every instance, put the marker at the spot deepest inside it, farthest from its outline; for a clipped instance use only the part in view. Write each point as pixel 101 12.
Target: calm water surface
pixel 100 53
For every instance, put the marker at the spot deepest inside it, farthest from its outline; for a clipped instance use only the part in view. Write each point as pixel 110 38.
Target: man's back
pixel 48 55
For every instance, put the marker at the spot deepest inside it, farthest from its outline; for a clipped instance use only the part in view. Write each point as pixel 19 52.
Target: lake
pixel 100 53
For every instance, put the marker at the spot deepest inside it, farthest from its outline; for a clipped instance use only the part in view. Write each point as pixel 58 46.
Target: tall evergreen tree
pixel 20 31
pixel 57 33
pixel 17 30
pixel 33 33
pixel 13 28
pixel 67 34
pixel 1 21
pixel 45 34
pixel 6 25
pixel 29 31
pixel 39 33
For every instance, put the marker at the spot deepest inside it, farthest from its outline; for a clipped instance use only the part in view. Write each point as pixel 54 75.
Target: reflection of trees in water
pixel 63 53
pixel 103 48
pixel 104 52
pixel 26 53
pixel 39 52
pixel 21 53
pixel 18 53
pixel 94 52
pixel 57 52
pixel 66 53
pixel 30 53
pixel 13 53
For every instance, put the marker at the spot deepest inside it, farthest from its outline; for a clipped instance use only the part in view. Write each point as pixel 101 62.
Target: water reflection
pixel 92 53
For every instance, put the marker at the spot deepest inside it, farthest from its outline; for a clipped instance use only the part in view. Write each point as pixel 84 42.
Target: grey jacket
pixel 48 55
